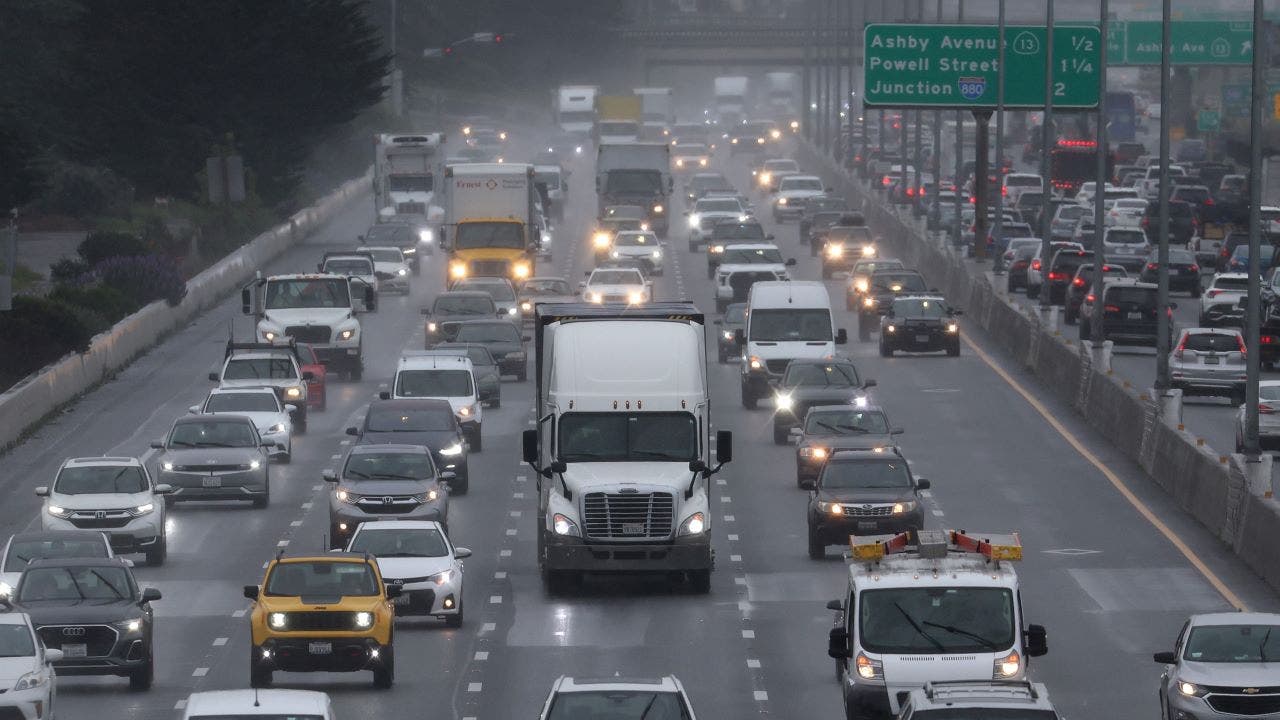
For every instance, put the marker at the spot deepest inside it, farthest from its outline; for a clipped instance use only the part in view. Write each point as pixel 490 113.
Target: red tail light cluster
pixel 1112 308
pixel 1057 276
pixel 1152 266
pixel 1265 409
pixel 1078 282
pixel 1035 264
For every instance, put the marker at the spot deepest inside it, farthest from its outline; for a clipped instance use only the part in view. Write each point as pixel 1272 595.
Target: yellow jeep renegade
pixel 328 613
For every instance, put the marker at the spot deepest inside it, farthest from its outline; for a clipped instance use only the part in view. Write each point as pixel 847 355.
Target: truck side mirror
pixel 869 384
pixel 384 395
pixel 370 299
pixel 923 484
pixel 739 337
pixel 529 446
pixel 842 337
pixel 1037 641
pixel 1165 658
pixel 791 262
pixel 835 605
pixel 724 446
pixel 246 301
pixel 838 644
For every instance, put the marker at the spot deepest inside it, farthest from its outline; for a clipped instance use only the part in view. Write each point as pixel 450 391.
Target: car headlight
pixel 31 680
pixel 615 254
pixel 817 453
pixel 143 509
pixel 953 328
pixel 733 141
pixel 577 149
pixel 424 236
pixel 727 335
pixel 277 620
pixel 765 178
pixel 717 249
pixel 5 590
pixel 458 270
pixel 795 125
pixel 512 311
pixel 657 253
pixel 760 141
pixel 868 302
pixel 130 626
pixel 526 306
pixel 293 392
pixel 868 669
pixel 833 508
pixel 860 401
pixel 270 336
pixel 904 507
pixel 891 329
pixel 860 285
pixel 345 496
pixel 658 208
pixel 467 410
pixel 521 270
pixel 679 162
pixel 1006 667
pixel 57 511
pixel 452 450
pixel 600 239
pixel 755 363
pixel 432 327
pixel 409 250
pixel 635 298
pixel 595 297
pixel 1191 689
pixel 782 402
pixel 364 619
pixel 466 130
pixel 564 526
pixel 775 134
pixel 277 428
pixel 702 162
pixel 782 201
pixel 167 466
pixel 402 272
pixel 502 136
pixel 347 334
pixel 835 251
pixel 695 524
pixel 254 464
pixel 694 220
pixel 868 251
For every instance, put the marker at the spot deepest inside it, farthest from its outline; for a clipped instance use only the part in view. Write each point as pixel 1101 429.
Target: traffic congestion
pixel 623 408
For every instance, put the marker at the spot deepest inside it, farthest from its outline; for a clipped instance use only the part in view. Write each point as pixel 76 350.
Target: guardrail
pixel 1215 489
pixel 26 404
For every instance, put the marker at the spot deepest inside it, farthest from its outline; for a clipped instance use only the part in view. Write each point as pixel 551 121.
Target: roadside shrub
pixel 143 279
pixel 82 191
pixel 99 306
pixel 68 270
pixel 40 331
pixel 101 245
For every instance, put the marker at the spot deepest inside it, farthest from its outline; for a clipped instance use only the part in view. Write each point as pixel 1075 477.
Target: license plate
pixel 632 528
pixel 320 648
pixel 1212 361
pixel 77 650
pixel 1134 316
pixel 922 338
pixel 862 525
pixel 212 482
pixel 402 600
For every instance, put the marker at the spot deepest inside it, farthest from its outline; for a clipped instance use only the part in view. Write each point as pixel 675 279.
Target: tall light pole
pixel 957 233
pixel 1048 139
pixel 1100 178
pixel 1253 307
pixel 1001 71
pixel 1162 273
pixel 937 144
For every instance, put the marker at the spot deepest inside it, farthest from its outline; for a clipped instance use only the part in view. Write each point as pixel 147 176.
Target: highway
pixel 1107 584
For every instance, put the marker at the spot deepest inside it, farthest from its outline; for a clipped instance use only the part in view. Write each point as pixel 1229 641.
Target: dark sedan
pixel 919 323
pixel 828 428
pixel 1082 284
pixel 454 307
pixel 863 492
pixel 735 318
pixel 502 338
pixel 815 381
pixel 422 421
pixel 882 287
pixel 1184 271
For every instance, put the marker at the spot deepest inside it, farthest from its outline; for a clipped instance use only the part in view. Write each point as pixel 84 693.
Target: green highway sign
pixel 1235 98
pixel 1208 120
pixel 1193 42
pixel 956 66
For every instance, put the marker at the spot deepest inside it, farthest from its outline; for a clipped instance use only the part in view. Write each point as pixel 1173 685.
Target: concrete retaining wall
pixel 27 403
pixel 1210 487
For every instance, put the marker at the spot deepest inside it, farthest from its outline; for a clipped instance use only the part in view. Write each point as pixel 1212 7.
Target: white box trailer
pixel 575 108
pixel 405 169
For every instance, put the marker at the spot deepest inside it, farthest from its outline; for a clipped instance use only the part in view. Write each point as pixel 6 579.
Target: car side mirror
pixel 394 591
pixel 717 322
pixel 769 236
pixel 957 312
pixel 835 605
pixel 529 446
pixel 896 431
pixel 724 446
pixel 791 262
pixel 559 466
pixel 923 484
pixel 150 595
pixel 193 410
pixel 52 655
pixel 1173 306
pixel 461 553
pixel 290 408
pixel 384 394
pixel 842 337
pixel 251 592
pixel 157 444
pixel 163 489
pixel 213 376
pixel 869 384
pixel 329 476
pixel 308 375
pixel 739 337
pixel 1167 657
pixel 838 644
pixel 1037 641
pixel 424 311
pixel 42 491
pixel 353 431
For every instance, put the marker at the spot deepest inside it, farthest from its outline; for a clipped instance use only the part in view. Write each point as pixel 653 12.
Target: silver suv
pixel 1022 699
pixel 112 494
pixel 1222 666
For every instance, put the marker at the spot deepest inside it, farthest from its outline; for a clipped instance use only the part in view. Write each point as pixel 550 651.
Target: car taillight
pixel 1146 222
pixel 1078 282
pixel 1112 308
pixel 1181 346
pixel 1265 409
pixel 1057 276
pixel 1194 268
pixel 1090 297
pixel 1267 339
pixel 911 192
pixel 1240 344
pixel 1213 293
pixel 1151 266
pixel 885 181
pixel 1035 264
pixel 1004 191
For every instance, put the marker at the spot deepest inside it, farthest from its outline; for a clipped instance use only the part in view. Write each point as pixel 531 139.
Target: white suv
pixel 26 669
pixel 443 375
pixel 112 494
pixel 267 704
pixel 617 697
pixel 973 699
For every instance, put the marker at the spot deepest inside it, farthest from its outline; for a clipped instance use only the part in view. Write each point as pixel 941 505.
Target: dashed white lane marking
pixel 306 505
pixel 515 513
pixel 520 478
pixel 504 553
pixel 265 563
pixel 760 695
pixel 474 687
pixel 721 481
pixel 500 575
pixel 517 496
pixel 733 537
pixel 200 672
pixel 739 581
pixel 939 513
pixel 488 627
pixel 753 663
pixel 735 558
pixel 334 457
pixel 344 442
pixel 219 642
pixel 511 532
pixel 729 518
pixel 482 655
pixel 495 599
pixel 726 498
pixel 238 613
pixel 295 523
pixel 180 705
pixel 744 605
pixel 317 487
pixel 283 543
pixel 748 634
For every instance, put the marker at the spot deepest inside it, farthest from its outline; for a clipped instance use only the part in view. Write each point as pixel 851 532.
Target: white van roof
pixel 788 293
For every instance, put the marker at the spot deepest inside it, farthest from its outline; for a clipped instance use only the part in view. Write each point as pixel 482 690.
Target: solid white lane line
pixel 219 642
pixel 753 663
pixel 200 672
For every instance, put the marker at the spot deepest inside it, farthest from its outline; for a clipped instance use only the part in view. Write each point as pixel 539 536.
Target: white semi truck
pixel 731 99
pixel 315 308
pixel 575 107
pixel 636 173
pixel 622 450
pixel 782 96
pixel 657 112
pixel 404 174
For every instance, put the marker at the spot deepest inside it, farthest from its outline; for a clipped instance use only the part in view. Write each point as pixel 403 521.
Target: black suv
pixel 819 205
pixel 1129 313
pixel 863 492
pixel 882 287
pixel 814 381
pixel 919 323
pixel 829 428
pixel 1062 270
pixel 844 245
pixel 94 612
pixel 1082 285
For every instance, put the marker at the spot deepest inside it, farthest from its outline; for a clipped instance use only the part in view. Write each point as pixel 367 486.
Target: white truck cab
pixel 445 375
pixel 785 320
pixel 928 606
pixel 318 309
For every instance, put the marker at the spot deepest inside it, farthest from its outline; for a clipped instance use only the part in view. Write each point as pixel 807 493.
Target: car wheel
pixel 817 550
pixel 300 425
pixel 335 538
pixel 885 350
pixel 864 327
pixel 693 246
pixel 356 374
pixel 749 399
pixel 496 401
pixel 700 581
pixel 264 499
pixel 324 402
pixel 849 304
pixel 460 484
pixel 476 441
pixel 1085 330
pixel 287 457
pixel 1069 316
pixel 455 620
pixel 826 273
pixel 522 375
pixel 780 435
pixel 953 350
pixel 158 552
pixel 1237 396
pixel 141 678
pixel 385 676
pixel 259 677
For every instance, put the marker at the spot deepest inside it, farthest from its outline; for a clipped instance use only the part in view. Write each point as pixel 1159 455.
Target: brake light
pixel 1151 266
pixel 1195 267
pixel 1004 191
pixel 1182 345
pixel 885 181
pixel 1112 308
pixel 1265 409
pixel 1090 298
pixel 1267 340
pixel 911 192
pixel 1240 344
pixel 1146 222
pixel 1057 276
pixel 1208 201
pixel 1035 264
pixel 1078 282
pixel 1213 293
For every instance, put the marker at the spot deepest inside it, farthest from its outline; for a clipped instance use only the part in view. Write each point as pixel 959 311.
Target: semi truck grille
pixel 308 333
pixel 489 268
pixel 411 208
pixel 628 516
pixel 98 640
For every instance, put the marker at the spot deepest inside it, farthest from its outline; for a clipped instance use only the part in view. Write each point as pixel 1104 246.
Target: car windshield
pixel 409 420
pixel 616 277
pixel 16 640
pixel 212 433
pixel 386 255
pixel 824 375
pixel 617 705
pixel 800 183
pixel 499 291
pixel 546 287
pixel 866 474
pixel 866 267
pixel 321 579
pixel 736 314
pixel 242 402
pixel 751 256
pixel 708 184
pixel 259 369
pixel 931 308
pixel 780 325
pixel 905 282
pixel 689 149
pixel 845 232
pixel 1231 283
pixel 255 716
pixel 635 239
pixel 100 479
pixel 23 551
pixel 718 205
pixel 950 713
pixel 604 437
pixel 931 620
pixel 738 231
pixel 494 332
pixel 645 182
pixel 316 293
pixel 1126 237
pixel 343 266
pixel 433 383
pixel 391 234
pixel 388 466
pixel 1210 342
pixel 781 166
pixel 846 422
pixel 1233 644
pixel 1072 212
pixel 472 305
pixel 474 235
pixel 90 582
pixel 409 542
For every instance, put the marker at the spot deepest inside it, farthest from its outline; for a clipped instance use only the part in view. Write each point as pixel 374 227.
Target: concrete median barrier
pixel 24 405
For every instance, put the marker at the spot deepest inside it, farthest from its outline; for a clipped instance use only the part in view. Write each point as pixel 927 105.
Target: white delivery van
pixel 785 320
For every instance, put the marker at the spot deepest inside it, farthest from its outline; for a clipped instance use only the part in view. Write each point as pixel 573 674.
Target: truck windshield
pixel 577 116
pixel 634 181
pixel 618 128
pixel 410 183
pixel 606 437
pixel 617 705
pixel 813 325
pixel 475 235
pixel 315 293
pixel 930 620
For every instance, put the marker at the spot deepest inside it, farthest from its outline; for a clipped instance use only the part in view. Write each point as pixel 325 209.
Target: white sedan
pixel 389 267
pixel 259 405
pixel 639 245
pixel 616 285
pixel 26 668
pixel 416 556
